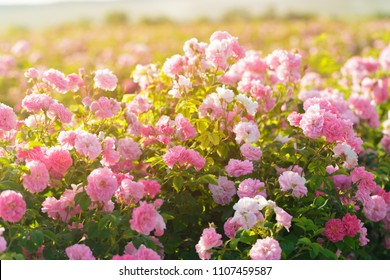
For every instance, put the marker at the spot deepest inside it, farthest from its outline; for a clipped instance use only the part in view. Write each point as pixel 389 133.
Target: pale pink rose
pixel 330 169
pixel 173 65
pixel 224 191
pixel 376 210
pixel 36 102
pixel 230 227
pixel 52 207
pixel 363 235
pixel 312 121
pixel 250 188
pixel 363 179
pixel 247 132
pixel 140 104
pixel 102 184
pixel 12 206
pixel 266 249
pixel 130 191
pixel 285 65
pixel 211 107
pixel 109 156
pixel 364 109
pixel 128 149
pixel 346 151
pixel 342 182
pixel 222 48
pixel 195 159
pixel 177 154
pixel 56 79
pixel 145 219
pixel 208 240
pixel 184 129
pixel 74 82
pixel 283 218
pixel 79 252
pixel 38 178
pixel 236 168
pixel 144 253
pixel 251 152
pixel 151 187
pixel 105 107
pixel 31 73
pixel 57 162
pixel 384 58
pixel 385 142
pixel 67 139
pixel 334 128
pixel 105 79
pixel 87 144
pixel 247 212
pixel 60 112
pixel 7 117
pixel 3 244
pixel 165 126
pixel 294 119
pixel 290 180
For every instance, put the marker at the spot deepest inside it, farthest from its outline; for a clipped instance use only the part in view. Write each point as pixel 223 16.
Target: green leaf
pixel 11 185
pixel 233 243
pixel 177 183
pixel 83 200
pixel 248 237
pixel 315 250
pixel 37 237
pixel 304 241
pixel 328 254
pixel 208 178
pixel 320 202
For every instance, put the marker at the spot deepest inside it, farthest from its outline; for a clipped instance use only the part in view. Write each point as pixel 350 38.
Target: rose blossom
pixel 105 79
pixel 250 188
pixel 7 117
pixel 208 240
pixel 236 168
pixel 251 152
pixel 290 180
pixel 12 206
pixel 145 219
pixel 224 191
pixel 266 249
pixel 247 132
pixel 334 230
pixel 87 144
pixel 38 178
pixel 283 218
pixel 79 252
pixel 102 184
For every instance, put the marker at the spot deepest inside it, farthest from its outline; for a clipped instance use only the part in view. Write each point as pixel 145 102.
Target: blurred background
pixel 43 13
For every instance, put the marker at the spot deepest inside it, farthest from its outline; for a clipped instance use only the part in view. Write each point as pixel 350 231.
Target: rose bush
pixel 221 153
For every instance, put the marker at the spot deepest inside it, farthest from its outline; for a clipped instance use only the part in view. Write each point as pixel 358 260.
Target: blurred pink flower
pixel 224 191
pixel 236 168
pixel 79 252
pixel 266 249
pixel 7 117
pixel 102 184
pixel 105 79
pixel 38 178
pixel 208 240
pixel 12 206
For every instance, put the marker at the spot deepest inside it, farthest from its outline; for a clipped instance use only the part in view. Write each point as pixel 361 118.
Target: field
pixel 236 139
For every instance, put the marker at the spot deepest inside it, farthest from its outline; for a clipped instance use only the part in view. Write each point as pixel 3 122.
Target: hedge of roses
pixel 219 153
